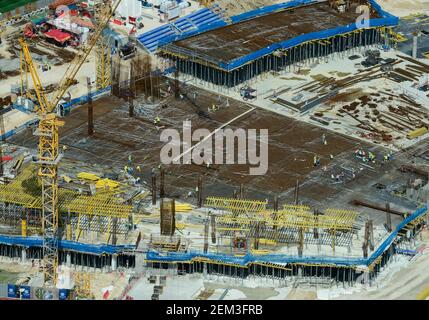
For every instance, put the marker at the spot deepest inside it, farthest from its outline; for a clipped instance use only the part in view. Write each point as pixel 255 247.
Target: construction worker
pixel 139 169
pixel 64 148
pixel 130 159
pixel 126 169
pixel 156 120
pixel 316 160
pixel 324 139
pixel 331 156
pixel 371 157
pixel 385 158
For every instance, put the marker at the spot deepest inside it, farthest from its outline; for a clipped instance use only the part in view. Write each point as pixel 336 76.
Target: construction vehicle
pixel 127 51
pixel 247 93
pixel 49 155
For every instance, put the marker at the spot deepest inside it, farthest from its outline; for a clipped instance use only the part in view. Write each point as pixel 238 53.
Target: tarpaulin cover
pixel 58 35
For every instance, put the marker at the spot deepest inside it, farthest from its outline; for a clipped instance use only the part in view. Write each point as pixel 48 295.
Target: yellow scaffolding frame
pixel 25 191
pixel 236 206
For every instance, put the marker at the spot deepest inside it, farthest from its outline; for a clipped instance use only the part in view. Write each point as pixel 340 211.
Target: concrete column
pixel 114 262
pixel 68 259
pixel 24 255
pixel 415 45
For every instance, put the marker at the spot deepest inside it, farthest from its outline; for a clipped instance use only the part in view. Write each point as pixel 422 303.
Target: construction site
pixel 89 209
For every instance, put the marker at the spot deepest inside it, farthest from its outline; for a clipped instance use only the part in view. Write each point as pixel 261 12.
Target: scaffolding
pixel 82 282
pixel 236 206
pixel 104 212
pixel 293 224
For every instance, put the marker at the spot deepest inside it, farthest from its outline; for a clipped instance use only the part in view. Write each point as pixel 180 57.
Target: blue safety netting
pixel 67 245
pixel 283 259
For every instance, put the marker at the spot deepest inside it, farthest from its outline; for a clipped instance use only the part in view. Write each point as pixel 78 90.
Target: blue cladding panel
pixel 25 292
pixel 67 245
pixel 203 19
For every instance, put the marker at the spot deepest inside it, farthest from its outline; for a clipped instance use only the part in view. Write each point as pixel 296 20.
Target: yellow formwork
pixel 236 206
pixel 295 217
pixel 22 191
pixel 25 191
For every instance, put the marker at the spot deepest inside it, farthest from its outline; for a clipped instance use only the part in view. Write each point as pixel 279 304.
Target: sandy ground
pixel 404 283
pixel 239 6
pixel 114 282
pixel 14 119
pixel 402 8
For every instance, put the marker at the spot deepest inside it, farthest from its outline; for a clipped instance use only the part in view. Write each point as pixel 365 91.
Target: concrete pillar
pixel 114 262
pixel 24 255
pixel 415 42
pixel 68 259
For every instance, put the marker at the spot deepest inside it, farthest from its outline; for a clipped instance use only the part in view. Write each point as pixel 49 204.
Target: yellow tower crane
pixel 103 58
pixel 48 146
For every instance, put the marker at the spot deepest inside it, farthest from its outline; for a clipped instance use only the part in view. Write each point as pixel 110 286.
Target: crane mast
pixel 48 145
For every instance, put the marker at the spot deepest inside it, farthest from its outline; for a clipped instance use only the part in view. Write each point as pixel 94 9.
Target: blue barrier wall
pixel 386 20
pixel 282 259
pixel 67 245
